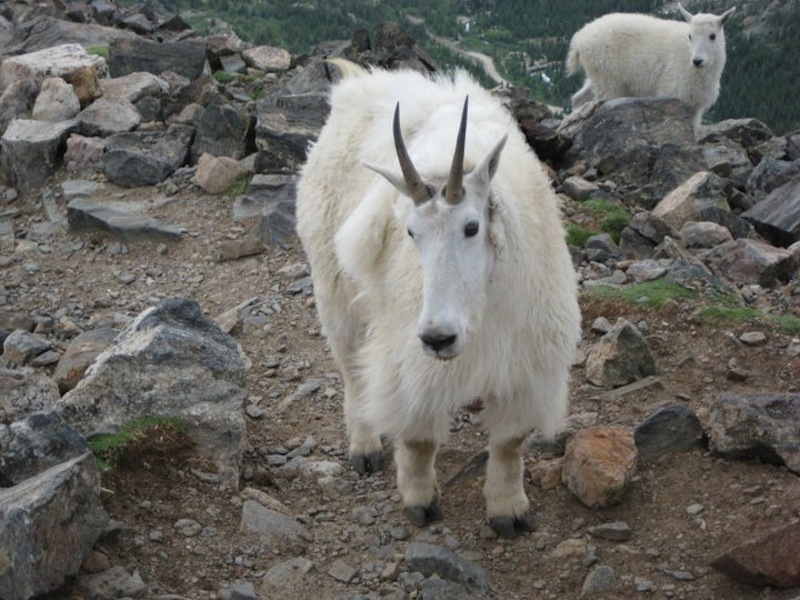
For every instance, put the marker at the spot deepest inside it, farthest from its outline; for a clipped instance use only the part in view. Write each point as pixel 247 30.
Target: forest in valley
pixel 528 40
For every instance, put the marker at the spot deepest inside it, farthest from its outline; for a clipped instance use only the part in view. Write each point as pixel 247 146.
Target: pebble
pixel 694 509
pixel 617 531
pixel 188 527
pixel 753 338
pixel 343 572
pixel 600 579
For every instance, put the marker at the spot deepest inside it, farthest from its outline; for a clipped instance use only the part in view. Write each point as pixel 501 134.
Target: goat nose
pixel 697 61
pixel 437 341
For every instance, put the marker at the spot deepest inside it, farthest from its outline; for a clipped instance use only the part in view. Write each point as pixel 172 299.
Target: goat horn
pixel 419 191
pixel 454 191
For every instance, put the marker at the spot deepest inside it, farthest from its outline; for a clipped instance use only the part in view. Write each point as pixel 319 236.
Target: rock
pixel 768 560
pixel 434 588
pixel 578 188
pixel 87 215
pixel 764 426
pixel 16 101
pixel 278 529
pixel 672 428
pixel 134 87
pixel 84 154
pixel 49 524
pixel 599 463
pixel 753 338
pixel 25 391
pixel 285 125
pixel 223 131
pixel 80 354
pixel 34 444
pixel 217 174
pixel 341 571
pixel 777 217
pixel 600 579
pixel 653 142
pixel 115 582
pixel 687 202
pixel 429 559
pixel 21 347
pixel 44 32
pixel 649 269
pixel 145 158
pixel 136 55
pixel 31 150
pixel 108 116
pixel 621 356
pixel 289 573
pixel 751 261
pixel 267 58
pixel 56 61
pixel 619 531
pixel 56 101
pixel 704 234
pixel 171 361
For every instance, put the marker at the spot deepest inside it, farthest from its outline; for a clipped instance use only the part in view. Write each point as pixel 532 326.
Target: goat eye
pixel 713 36
pixel 690 37
pixel 471 228
pixel 410 233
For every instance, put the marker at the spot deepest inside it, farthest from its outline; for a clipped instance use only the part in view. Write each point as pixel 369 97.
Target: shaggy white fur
pixel 626 54
pixel 373 290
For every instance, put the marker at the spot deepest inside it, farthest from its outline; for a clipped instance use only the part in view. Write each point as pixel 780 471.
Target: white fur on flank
pixel 368 280
pixel 626 54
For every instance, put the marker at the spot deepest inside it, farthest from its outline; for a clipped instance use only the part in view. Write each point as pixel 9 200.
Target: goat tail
pixel 573 60
pixel 347 68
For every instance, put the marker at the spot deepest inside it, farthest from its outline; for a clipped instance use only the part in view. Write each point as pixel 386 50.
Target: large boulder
pixel 777 217
pixel 127 56
pixel 32 150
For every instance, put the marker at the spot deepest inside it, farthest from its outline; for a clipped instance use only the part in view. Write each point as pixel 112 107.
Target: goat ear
pixel 486 170
pixel 686 14
pixel 396 179
pixel 723 18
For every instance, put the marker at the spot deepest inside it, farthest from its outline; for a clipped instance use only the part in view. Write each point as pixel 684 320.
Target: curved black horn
pixel 455 191
pixel 420 192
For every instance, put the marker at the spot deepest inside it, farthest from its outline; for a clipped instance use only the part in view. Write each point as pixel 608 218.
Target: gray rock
pixel 289 573
pixel 31 150
pixel 746 261
pixel 429 559
pixel 87 215
pixel 687 201
pixel 25 391
pixel 275 527
pixel 108 116
pixel 81 353
pixel 600 579
pixel 672 428
pixel 223 131
pixel 172 361
pixel 134 87
pixel 115 582
pixel 620 357
pixel 21 347
pixel 764 426
pixel 618 531
pixel 56 101
pixel 434 588
pixel 16 101
pixel 286 125
pixel 771 174
pixel 649 269
pixel 44 32
pixel 343 572
pixel 777 217
pixel 704 234
pixel 146 158
pixel 135 55
pixel 33 515
pixel 34 444
pixel 267 58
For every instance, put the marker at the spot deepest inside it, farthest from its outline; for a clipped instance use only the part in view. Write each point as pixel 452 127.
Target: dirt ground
pixel 93 278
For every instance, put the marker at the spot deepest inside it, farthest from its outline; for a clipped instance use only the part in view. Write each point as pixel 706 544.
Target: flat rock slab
pixel 772 559
pixel 429 559
pixel 87 215
pixel 57 61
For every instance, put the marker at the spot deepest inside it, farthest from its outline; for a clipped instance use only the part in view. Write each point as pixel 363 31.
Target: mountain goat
pixel 625 54
pixel 441 276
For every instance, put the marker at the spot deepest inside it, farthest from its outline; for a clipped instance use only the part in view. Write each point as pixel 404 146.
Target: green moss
pixel 611 217
pixel 577 234
pixel 731 315
pixel 109 448
pixel 651 293
pixel 224 76
pixel 240 187
pixel 98 50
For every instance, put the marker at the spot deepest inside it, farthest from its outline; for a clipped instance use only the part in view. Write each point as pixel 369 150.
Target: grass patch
pixel 611 217
pixel 110 448
pixel 731 315
pixel 225 77
pixel 240 187
pixel 98 50
pixel 577 234
pixel 650 293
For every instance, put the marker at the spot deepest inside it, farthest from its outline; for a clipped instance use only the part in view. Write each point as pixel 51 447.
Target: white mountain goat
pixel 625 54
pixel 439 281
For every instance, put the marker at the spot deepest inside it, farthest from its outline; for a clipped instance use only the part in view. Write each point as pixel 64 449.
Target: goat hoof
pixel 511 527
pixel 365 464
pixel 424 515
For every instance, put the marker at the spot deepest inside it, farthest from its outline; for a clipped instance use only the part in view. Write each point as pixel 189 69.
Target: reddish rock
pixel 598 465
pixel 772 559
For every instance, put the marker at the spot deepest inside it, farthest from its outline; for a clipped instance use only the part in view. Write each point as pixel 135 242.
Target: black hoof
pixel 424 515
pixel 511 527
pixel 364 464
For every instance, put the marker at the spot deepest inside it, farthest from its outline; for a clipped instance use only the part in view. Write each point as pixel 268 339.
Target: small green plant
pixel 611 217
pixel 577 234
pixel 98 50
pixel 240 187
pixel 109 448
pixel 730 315
pixel 224 76
pixel 651 293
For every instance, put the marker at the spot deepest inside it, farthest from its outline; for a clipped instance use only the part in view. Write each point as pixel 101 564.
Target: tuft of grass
pixel 718 315
pixel 240 187
pixel 611 217
pixel 98 50
pixel 650 293
pixel 577 234
pixel 109 448
pixel 225 77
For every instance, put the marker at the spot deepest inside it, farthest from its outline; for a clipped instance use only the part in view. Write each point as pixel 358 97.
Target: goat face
pixel 706 37
pixel 449 224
